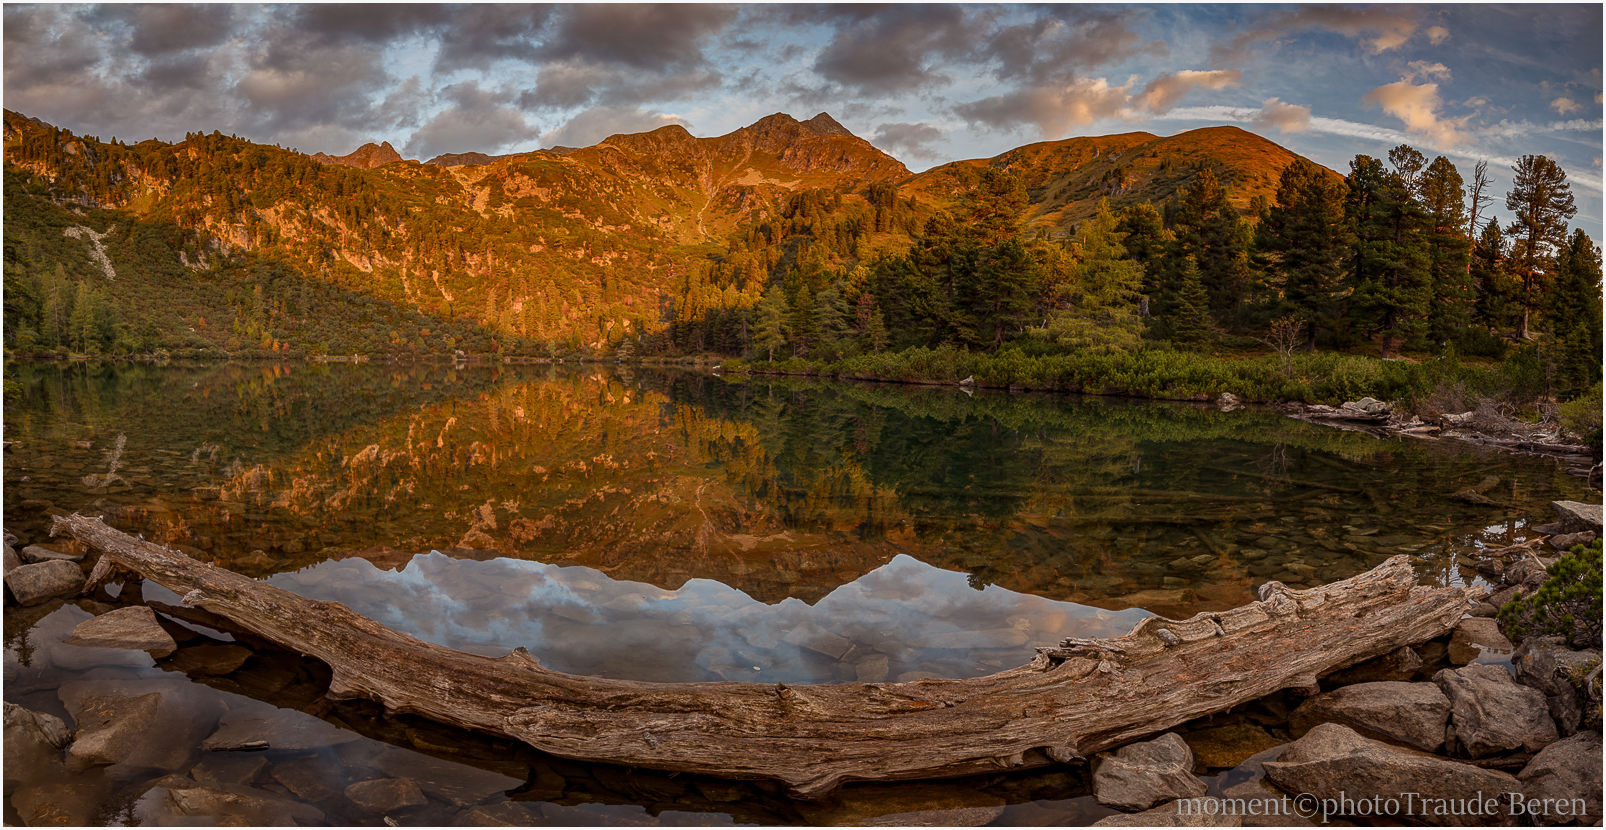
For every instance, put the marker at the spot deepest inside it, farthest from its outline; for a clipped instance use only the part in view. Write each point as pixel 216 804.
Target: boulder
pixel 456 784
pixel 1566 541
pixel 1562 778
pixel 385 795
pixel 111 729
pixel 57 803
pixel 12 559
pixel 132 627
pixel 35 583
pixel 275 728
pixel 1545 664
pixel 1526 574
pixel 1141 775
pixel 1220 747
pixel 1171 815
pixel 1474 637
pixel 1368 406
pixel 1399 664
pixel 137 723
pixel 1334 763
pixel 33 739
pixel 1490 714
pixel 1414 714
pixel 1227 402
pixel 500 814
pixel 174 803
pixel 221 768
pixel 209 659
pixel 40 553
pixel 1575 516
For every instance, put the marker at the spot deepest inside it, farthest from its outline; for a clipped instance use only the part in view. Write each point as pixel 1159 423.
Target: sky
pixel 926 83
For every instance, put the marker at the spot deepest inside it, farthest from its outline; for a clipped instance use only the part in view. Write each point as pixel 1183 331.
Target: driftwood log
pixel 1081 697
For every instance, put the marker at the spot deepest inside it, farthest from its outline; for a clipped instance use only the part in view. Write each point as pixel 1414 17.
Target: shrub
pixel 1568 603
pixel 1581 416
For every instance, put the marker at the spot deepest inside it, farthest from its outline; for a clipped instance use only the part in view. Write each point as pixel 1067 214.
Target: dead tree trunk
pixel 1070 701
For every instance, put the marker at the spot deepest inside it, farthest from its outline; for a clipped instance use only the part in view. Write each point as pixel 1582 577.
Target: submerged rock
pixel 1399 664
pixel 212 659
pixel 385 795
pixel 1228 746
pixel 40 581
pixel 133 627
pixel 1490 714
pixel 1335 763
pixel 275 728
pixel 32 740
pixel 1409 713
pixel 1474 637
pixel 1139 776
pixel 228 804
pixel 1562 774
pixel 1170 815
pixel 500 814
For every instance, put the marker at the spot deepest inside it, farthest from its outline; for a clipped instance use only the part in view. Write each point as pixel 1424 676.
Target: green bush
pixel 1568 603
pixel 1581 416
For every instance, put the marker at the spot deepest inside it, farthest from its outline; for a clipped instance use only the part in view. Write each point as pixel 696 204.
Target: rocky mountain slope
pixel 583 248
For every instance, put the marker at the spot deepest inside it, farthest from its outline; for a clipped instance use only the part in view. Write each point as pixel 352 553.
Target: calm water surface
pixel 675 526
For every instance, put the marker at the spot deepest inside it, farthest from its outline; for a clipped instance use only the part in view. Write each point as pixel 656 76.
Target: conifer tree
pixel 1450 303
pixel 1308 241
pixel 1095 305
pixel 773 327
pixel 1207 228
pixel 833 328
pixel 1390 260
pixel 1190 322
pixel 1573 316
pixel 1493 286
pixel 1543 202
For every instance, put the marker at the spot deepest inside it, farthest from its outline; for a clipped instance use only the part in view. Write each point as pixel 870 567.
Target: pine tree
pixel 832 325
pixel 1390 260
pixel 1094 306
pixel 1308 241
pixel 773 327
pixel 1207 228
pixel 1144 238
pixel 1543 202
pixel 1189 322
pixel 1494 288
pixel 1450 305
pixel 1573 315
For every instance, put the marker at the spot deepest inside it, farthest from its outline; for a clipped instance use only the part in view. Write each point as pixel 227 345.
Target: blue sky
pixel 927 83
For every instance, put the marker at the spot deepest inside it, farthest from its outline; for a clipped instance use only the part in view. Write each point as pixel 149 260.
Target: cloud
pixel 475 120
pixel 1423 70
pixel 480 35
pixel 1054 109
pixel 160 29
pixel 1379 28
pixel 1164 92
pixel 914 139
pixel 578 83
pixel 593 125
pixel 1565 106
pixel 1417 105
pixel 890 49
pixel 643 36
pixel 1055 45
pixel 1438 35
pixel 1285 118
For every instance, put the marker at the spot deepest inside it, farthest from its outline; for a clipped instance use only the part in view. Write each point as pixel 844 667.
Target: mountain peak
pixel 366 157
pixel 824 124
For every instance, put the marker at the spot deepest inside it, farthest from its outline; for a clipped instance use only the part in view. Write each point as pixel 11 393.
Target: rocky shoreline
pixel 1470 712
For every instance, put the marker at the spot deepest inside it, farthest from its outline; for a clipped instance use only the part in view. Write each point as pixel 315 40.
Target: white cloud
pixel 1285 118
pixel 1164 92
pixel 1417 105
pixel 1427 71
pixel 1565 105
pixel 1438 35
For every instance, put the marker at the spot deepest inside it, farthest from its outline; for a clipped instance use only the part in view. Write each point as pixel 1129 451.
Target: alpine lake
pixel 673 526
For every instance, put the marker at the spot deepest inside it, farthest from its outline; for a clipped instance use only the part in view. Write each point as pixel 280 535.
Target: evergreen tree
pixel 773 326
pixel 1143 235
pixel 1207 228
pixel 1308 241
pixel 1543 202
pixel 1494 305
pixel 81 324
pixel 1095 307
pixel 1390 261
pixel 1573 316
pixel 1190 321
pixel 1450 306
pixel 833 327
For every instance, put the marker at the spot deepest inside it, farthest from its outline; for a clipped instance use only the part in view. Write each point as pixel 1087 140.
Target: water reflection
pixel 903 620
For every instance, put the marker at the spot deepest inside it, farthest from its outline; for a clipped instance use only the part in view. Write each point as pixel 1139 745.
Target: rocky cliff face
pixel 366 157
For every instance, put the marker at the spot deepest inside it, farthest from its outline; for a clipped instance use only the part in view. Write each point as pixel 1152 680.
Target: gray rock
pixel 132 627
pixel 1368 406
pixel 225 768
pixel 1474 637
pixel 385 795
pixel 1227 402
pixel 1545 663
pixel 40 553
pixel 1414 714
pixel 1170 815
pixel 210 659
pixel 35 583
pixel 1575 516
pixel 279 728
pixel 228 804
pixel 1490 714
pixel 1400 664
pixel 137 724
pixel 1566 540
pixel 1139 776
pixel 500 814
pixel 310 778
pixel 1333 762
pixel 1526 574
pixel 456 784
pixel 1563 777
pixel 872 668
pixel 12 559
pixel 33 739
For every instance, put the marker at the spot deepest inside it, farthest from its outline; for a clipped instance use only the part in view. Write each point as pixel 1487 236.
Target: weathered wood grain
pixel 1072 700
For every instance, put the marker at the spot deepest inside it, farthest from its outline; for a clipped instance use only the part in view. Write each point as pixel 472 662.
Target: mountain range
pixel 582 247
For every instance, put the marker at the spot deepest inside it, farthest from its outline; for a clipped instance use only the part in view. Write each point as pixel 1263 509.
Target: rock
pixel 1484 609
pixel 1227 402
pixel 1228 746
pixel 309 778
pixel 1526 574
pixel 1171 815
pixel 56 803
pixel 132 627
pixel 1139 776
pixel 872 669
pixel 1333 762
pixel 500 814
pixel 1491 714
pixel 111 729
pixel 229 804
pixel 1475 636
pixel 1400 664
pixel 1367 406
pixel 223 768
pixel 35 583
pixel 385 795
pixel 906 805
pixel 818 640
pixel 1544 664
pixel 1575 516
pixel 33 739
pixel 277 728
pixel 1567 774
pixel 1414 714
pixel 135 722
pixel 456 784
pixel 1566 541
pixel 209 659
pixel 12 559
pixel 40 553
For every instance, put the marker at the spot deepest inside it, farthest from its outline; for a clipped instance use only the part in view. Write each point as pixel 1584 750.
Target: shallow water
pixel 680 526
